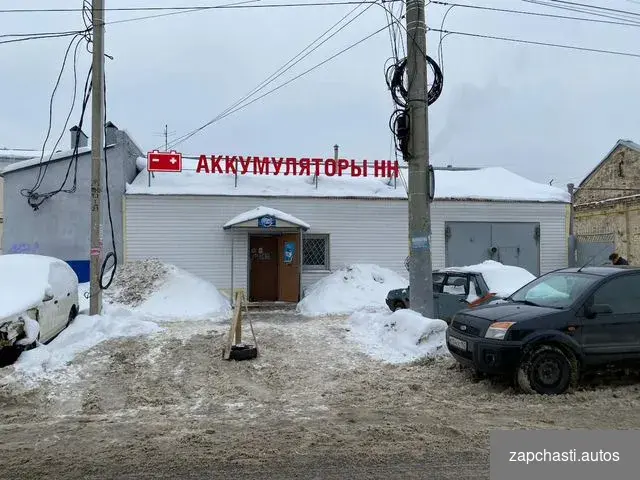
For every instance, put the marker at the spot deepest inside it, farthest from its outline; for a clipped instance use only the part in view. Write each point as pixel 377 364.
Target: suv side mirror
pixel 47 297
pixel 600 308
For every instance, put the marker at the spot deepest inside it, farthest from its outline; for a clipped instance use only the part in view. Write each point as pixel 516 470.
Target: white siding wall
pixel 187 231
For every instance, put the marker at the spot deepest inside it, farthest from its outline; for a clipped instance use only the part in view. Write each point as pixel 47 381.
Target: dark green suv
pixel 453 290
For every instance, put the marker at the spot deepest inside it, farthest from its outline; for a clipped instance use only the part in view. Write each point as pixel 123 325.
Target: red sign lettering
pixel 242 165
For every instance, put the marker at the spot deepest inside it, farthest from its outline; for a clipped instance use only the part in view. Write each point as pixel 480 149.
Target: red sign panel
pixel 164 161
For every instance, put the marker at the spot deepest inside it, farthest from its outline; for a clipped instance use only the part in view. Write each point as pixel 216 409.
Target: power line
pixel 284 68
pixel 318 65
pixel 531 42
pixel 181 12
pixel 40 36
pixel 596 7
pixel 593 13
pixel 536 14
pixel 37 34
pixel 196 7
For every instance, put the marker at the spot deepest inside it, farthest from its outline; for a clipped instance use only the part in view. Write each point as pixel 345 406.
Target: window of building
pixel 315 252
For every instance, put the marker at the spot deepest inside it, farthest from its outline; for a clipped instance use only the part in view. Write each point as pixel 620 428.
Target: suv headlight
pixel 498 330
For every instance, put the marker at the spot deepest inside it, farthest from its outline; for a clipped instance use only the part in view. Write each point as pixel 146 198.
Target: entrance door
pixel 264 269
pixel 289 268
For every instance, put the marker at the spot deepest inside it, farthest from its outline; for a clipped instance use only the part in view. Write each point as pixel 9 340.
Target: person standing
pixel 617 259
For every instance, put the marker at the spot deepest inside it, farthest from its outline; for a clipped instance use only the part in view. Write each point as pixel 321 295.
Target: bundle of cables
pixel 399 121
pixel 395 82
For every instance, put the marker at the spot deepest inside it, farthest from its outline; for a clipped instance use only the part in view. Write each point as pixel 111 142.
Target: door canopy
pixel 266 218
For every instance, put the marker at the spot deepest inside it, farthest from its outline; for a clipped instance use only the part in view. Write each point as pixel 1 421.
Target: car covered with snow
pixel 38 299
pixel 457 288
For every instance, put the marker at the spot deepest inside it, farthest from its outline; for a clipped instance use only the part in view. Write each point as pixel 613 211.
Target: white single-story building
pixel 273 235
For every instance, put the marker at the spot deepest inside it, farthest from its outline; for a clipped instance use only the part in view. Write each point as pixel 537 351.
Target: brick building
pixel 607 207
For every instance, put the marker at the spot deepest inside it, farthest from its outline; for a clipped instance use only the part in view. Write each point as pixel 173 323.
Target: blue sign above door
pixel 267 221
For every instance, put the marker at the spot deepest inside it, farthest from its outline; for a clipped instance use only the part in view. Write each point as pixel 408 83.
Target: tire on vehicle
pixel 398 305
pixel 73 313
pixel 243 352
pixel 548 370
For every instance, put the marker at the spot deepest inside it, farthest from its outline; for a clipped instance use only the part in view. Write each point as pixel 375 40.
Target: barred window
pixel 315 252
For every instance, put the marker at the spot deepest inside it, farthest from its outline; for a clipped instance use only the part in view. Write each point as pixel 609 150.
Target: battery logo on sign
pixel 164 161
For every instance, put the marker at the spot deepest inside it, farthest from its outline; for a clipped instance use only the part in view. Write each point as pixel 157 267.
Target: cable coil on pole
pixel 399 122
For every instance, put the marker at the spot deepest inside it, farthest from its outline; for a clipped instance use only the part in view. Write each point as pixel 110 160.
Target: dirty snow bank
pixel 350 289
pixel 398 337
pixel 134 282
pixel 152 288
pixel 501 279
pixel 84 333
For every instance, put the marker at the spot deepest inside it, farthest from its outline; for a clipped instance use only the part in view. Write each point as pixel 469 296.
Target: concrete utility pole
pixel 97 153
pixel 572 238
pixel 420 270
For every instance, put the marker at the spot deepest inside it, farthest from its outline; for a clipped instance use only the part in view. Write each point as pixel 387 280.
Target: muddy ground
pixel 311 406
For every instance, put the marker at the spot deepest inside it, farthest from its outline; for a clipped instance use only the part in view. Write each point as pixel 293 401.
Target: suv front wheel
pixel 548 370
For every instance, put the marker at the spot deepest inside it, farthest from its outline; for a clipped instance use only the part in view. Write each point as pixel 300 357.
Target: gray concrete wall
pixel 61 225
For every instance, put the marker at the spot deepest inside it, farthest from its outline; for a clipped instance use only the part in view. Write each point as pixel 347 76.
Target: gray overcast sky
pixel 542 112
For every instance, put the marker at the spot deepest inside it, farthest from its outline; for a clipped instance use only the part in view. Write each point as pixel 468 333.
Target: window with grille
pixel 315 252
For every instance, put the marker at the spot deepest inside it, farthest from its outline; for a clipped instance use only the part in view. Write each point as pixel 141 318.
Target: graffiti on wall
pixel 25 248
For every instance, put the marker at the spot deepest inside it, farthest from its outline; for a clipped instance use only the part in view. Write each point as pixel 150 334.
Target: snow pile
pixel 166 292
pixel 353 288
pixel 501 279
pixel 24 281
pixel 398 337
pixel 31 330
pixel 83 334
pixel 134 282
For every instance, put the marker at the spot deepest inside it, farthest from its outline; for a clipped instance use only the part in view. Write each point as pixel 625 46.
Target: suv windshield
pixel 556 290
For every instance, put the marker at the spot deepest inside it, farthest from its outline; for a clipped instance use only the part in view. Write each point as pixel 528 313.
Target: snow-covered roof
pixel 494 183
pixel 18 153
pixel 261 211
pixel 30 162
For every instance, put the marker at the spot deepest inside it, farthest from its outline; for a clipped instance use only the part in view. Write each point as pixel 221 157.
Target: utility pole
pixel 571 261
pixel 420 269
pixel 166 139
pixel 97 153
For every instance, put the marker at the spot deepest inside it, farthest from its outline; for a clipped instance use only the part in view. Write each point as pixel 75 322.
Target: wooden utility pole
pixel 97 154
pixel 420 269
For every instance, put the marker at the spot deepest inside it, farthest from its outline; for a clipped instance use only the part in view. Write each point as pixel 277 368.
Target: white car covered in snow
pixel 38 299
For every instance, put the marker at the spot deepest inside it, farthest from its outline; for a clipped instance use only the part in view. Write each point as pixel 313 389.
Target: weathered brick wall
pixel 621 170
pixel 622 219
